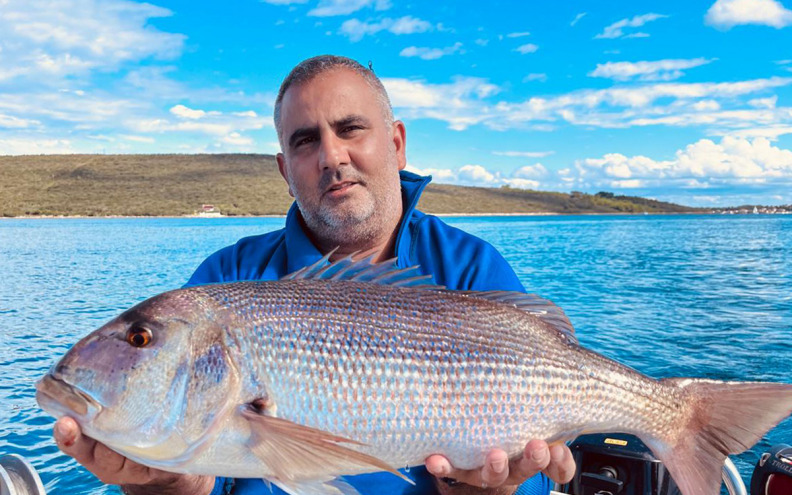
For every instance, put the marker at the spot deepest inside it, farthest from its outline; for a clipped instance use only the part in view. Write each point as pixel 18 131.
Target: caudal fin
pixel 725 418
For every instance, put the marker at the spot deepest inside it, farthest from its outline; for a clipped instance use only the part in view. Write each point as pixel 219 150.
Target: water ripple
pixel 670 296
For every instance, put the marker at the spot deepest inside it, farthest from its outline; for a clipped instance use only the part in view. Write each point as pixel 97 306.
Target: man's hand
pixel 555 461
pixel 114 469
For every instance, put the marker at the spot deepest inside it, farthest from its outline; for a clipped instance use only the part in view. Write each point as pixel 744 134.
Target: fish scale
pixel 322 340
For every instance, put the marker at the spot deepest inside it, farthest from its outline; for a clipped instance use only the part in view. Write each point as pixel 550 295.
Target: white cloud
pixel 70 108
pixel 524 154
pixel 328 8
pixel 764 102
pixel 438 175
pixel 706 106
pixel 591 107
pixel 628 184
pixel 425 53
pixel 577 18
pixel 409 25
pixel 527 48
pixel 725 14
pixel 187 113
pixel 734 160
pixel 412 94
pixel 137 139
pixel 457 103
pixel 36 146
pixel 618 166
pixel 11 122
pixel 475 174
pixel 658 70
pixel 236 138
pixel 733 157
pixel 355 29
pixel 46 40
pixel 65 71
pixel 480 176
pixel 518 35
pixel 535 77
pixel 284 2
pixel 722 107
pixel 770 132
pixel 534 171
pixel 616 30
pixel 213 123
pixel 521 183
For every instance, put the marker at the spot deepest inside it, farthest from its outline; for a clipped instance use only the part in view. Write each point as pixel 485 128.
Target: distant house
pixel 209 211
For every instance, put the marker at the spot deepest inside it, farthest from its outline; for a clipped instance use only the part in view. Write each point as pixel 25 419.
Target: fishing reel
pixel 19 477
pixel 773 473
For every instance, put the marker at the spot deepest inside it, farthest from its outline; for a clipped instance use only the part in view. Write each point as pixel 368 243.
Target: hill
pixel 174 185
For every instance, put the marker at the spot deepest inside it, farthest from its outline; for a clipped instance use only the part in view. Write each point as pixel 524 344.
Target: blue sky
pixel 688 102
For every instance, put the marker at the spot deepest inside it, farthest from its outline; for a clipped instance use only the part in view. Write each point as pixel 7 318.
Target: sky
pixel 682 101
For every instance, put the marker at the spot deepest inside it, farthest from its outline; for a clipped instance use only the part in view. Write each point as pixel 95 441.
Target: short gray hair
pixel 312 67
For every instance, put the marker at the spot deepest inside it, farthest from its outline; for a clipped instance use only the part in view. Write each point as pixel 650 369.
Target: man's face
pixel 340 157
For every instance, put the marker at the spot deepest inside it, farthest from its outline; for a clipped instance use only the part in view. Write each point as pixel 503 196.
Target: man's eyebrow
pixel 336 124
pixel 302 132
pixel 350 119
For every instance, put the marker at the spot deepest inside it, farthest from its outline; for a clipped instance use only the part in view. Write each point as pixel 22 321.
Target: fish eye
pixel 138 336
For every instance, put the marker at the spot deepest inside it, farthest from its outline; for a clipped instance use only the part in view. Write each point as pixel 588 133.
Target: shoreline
pixel 449 215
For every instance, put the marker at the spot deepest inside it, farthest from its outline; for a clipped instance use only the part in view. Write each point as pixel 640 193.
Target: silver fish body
pixel 303 380
pixel 441 373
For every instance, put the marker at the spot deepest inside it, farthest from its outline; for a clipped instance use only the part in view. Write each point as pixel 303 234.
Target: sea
pixel 670 295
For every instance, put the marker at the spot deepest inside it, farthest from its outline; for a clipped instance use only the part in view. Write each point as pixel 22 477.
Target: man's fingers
pixel 555 461
pixel 494 472
pixel 535 458
pixel 440 466
pixel 109 466
pixel 72 442
pixel 562 464
pixel 496 468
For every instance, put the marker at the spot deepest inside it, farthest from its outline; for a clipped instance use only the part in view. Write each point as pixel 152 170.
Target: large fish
pixel 355 367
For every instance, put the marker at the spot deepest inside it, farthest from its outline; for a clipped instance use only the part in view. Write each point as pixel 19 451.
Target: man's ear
pixel 284 173
pixel 400 143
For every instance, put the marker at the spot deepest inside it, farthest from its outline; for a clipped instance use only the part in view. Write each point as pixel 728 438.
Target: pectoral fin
pixel 294 452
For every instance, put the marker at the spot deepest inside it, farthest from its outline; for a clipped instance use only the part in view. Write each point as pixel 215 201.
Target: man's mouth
pixel 339 188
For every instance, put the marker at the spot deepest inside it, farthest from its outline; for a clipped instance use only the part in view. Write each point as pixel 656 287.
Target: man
pixel 343 160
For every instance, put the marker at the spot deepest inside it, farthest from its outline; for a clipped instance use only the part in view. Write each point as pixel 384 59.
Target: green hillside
pixel 173 185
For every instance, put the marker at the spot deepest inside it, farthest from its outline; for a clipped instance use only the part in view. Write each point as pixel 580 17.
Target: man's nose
pixel 333 152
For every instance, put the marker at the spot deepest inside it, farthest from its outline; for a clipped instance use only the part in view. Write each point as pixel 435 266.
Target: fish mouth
pixel 51 390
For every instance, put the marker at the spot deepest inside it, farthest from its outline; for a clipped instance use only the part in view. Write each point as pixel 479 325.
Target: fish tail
pixel 720 418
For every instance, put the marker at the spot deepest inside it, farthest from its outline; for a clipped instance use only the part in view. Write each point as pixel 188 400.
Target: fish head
pixel 155 377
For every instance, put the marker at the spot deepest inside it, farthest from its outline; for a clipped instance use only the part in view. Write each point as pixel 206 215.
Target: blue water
pixel 705 296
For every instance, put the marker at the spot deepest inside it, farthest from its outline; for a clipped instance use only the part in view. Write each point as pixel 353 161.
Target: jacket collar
pixel 301 252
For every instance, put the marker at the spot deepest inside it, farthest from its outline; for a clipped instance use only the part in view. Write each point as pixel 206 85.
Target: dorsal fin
pixel 364 270
pixel 540 307
pixel 388 273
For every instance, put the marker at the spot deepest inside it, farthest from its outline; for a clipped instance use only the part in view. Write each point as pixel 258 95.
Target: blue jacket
pixel 452 257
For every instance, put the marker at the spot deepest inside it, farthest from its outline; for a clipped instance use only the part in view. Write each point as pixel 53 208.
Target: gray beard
pixel 342 228
pixel 360 227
